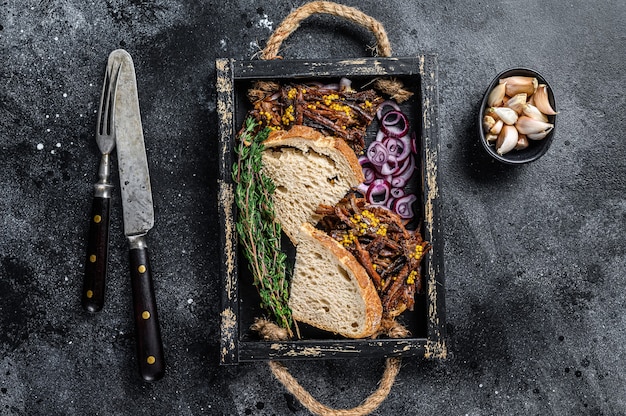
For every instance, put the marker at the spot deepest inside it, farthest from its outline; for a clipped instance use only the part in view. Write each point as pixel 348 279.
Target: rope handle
pixel 293 20
pixel 392 368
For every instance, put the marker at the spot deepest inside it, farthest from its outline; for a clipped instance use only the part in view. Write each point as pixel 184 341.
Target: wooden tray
pixel 239 298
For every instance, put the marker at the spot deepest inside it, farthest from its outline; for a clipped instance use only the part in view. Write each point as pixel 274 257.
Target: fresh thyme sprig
pixel 259 232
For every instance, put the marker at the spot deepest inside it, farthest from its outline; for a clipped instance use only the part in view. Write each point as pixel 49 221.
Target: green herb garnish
pixel 259 232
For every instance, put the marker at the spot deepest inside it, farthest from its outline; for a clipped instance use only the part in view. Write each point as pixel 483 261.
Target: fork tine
pixel 103 98
pixel 106 117
pixel 110 109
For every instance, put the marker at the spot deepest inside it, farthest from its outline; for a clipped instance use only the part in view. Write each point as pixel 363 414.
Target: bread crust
pixel 316 140
pixel 373 305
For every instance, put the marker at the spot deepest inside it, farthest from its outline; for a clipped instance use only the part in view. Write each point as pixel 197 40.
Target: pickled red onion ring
pixel 401 178
pixel 397 192
pixel 378 192
pixel 380 113
pixel 404 206
pixel 399 148
pixel 394 124
pixel 377 153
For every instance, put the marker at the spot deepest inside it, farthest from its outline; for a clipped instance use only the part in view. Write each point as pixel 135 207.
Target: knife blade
pixel 138 213
pixel 98 237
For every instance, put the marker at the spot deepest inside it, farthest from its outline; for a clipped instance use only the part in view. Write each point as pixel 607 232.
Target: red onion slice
pixel 380 111
pixel 397 192
pixel 377 153
pixel 404 206
pixel 370 175
pixel 399 148
pixel 378 192
pixel 362 188
pixel 394 124
pixel 390 167
pixel 401 178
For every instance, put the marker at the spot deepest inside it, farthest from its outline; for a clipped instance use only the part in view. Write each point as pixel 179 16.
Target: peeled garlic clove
pixel 506 114
pixel 491 113
pixel 497 127
pixel 539 136
pixel 507 139
pixel 518 84
pixel 527 125
pixel 517 102
pixel 534 113
pixel 541 100
pixel 496 95
pixel 488 122
pixel 522 142
pixel 491 138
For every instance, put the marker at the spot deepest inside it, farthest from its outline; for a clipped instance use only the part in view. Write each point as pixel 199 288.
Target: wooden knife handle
pixel 97 253
pixel 148 331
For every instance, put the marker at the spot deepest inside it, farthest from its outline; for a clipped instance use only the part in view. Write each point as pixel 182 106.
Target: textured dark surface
pixel 534 255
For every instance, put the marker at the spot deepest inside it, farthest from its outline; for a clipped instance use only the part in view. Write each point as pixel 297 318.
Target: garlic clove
pixel 527 125
pixel 539 136
pixel 496 95
pixel 522 142
pixel 491 113
pixel 517 102
pixel 506 114
pixel 507 139
pixel 497 127
pixel 534 113
pixel 541 100
pixel 491 138
pixel 518 84
pixel 488 122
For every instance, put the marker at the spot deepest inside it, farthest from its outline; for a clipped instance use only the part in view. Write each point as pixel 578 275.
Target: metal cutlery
pixel 119 124
pixel 98 239
pixel 138 219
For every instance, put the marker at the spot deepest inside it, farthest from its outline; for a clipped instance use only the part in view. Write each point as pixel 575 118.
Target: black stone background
pixel 534 255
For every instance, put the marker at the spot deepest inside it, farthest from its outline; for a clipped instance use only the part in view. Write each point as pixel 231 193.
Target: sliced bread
pixel 308 169
pixel 330 290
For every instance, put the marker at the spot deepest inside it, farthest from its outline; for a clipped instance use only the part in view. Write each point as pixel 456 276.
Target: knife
pixel 138 215
pixel 98 237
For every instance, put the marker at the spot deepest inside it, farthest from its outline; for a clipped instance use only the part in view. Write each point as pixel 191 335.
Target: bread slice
pixel 330 290
pixel 308 169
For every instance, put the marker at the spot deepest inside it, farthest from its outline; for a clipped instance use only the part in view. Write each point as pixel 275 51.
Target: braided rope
pixel 392 368
pixel 293 20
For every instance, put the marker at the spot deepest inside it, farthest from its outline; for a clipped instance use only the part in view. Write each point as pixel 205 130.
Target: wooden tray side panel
pixel 436 345
pixel 226 214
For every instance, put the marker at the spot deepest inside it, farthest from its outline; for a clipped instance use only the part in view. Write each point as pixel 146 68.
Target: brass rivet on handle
pixel 141 269
pixel 145 315
pixel 90 294
pixel 150 359
pixel 92 258
pixel 97 219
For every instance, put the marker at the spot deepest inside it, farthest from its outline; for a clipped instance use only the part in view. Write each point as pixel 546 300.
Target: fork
pixel 98 238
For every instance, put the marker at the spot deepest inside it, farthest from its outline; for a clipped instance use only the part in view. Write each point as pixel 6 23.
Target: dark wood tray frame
pixel 236 342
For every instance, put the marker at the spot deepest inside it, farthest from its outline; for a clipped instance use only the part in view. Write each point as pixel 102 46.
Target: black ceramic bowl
pixel 536 148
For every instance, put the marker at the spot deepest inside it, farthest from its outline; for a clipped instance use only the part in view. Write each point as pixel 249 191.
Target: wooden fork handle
pixel 97 254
